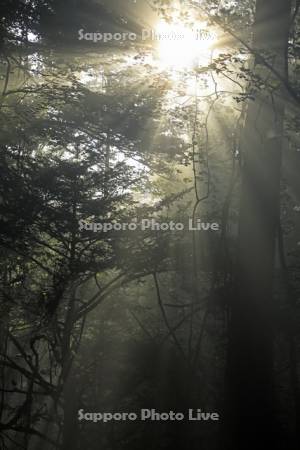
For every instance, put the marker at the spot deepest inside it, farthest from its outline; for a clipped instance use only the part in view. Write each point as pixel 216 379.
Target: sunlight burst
pixel 182 47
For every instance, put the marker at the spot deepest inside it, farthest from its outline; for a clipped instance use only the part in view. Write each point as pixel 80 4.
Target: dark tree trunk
pixel 250 416
pixel 70 388
pixel 70 438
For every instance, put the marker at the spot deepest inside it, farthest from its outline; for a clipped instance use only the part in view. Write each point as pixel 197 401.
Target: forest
pixel 150 224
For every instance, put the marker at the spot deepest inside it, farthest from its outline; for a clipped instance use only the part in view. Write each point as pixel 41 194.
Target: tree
pixel 251 398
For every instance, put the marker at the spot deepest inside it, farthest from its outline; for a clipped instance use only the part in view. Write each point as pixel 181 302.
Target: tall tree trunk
pixel 70 391
pixel 251 409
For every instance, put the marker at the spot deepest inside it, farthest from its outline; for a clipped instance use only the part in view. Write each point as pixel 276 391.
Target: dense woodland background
pixel 121 321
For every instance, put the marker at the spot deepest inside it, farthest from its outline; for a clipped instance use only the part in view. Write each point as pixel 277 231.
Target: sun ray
pixel 181 47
